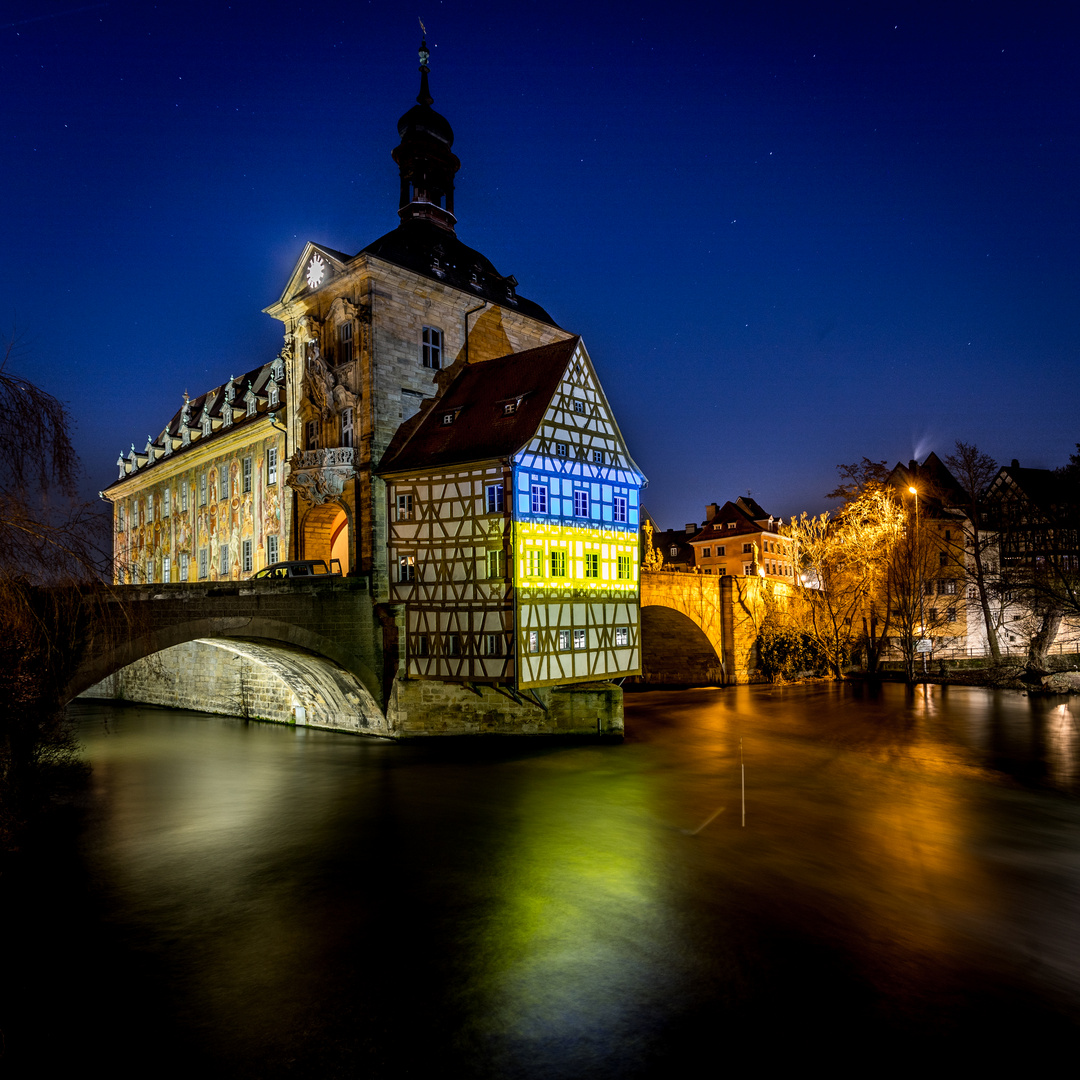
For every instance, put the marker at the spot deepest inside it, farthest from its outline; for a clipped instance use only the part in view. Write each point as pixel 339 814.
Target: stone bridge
pixel 699 628
pixel 297 653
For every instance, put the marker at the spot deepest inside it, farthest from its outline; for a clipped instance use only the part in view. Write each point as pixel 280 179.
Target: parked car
pixel 299 570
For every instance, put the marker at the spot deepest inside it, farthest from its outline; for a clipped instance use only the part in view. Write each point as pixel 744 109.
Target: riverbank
pixel 1006 675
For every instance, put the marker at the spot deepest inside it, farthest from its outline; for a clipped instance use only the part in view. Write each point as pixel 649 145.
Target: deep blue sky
pixel 790 234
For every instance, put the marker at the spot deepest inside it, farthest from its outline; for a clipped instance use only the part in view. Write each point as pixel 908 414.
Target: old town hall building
pixel 434 431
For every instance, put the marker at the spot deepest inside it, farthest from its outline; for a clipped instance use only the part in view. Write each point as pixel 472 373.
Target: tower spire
pixel 424 158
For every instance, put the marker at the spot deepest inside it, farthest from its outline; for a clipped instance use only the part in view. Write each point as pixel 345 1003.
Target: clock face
pixel 316 271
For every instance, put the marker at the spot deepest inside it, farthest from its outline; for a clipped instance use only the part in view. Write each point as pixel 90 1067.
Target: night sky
pixel 790 234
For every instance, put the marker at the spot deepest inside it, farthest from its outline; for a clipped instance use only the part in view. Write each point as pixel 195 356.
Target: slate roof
pixel 433 252
pixel 717 529
pixel 481 430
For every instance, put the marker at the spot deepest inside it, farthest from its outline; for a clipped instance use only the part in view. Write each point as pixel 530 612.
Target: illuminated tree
pixel 844 563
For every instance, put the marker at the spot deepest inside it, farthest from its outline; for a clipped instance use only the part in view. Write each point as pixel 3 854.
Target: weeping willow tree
pixel 50 580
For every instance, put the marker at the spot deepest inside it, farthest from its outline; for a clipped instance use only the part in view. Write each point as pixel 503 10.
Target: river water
pixel 812 875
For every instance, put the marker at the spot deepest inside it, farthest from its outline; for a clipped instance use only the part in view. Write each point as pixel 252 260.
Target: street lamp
pixel 918 554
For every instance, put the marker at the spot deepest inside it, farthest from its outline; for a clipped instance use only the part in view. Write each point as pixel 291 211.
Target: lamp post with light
pixel 918 556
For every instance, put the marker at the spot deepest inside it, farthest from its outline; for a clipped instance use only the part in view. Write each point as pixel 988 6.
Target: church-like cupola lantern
pixel 425 160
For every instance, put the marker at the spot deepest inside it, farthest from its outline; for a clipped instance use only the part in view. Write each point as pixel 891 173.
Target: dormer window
pixel 207 426
pixel 447 418
pixel 277 370
pixel 251 401
pixel 509 408
pixel 273 389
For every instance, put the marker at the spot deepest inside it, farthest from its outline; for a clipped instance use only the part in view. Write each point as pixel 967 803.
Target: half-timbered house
pixel 513 505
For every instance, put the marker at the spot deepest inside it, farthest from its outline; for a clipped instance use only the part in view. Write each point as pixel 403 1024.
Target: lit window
pixel 447 419
pixel 404 508
pixel 271 467
pixel 509 408
pixel 592 565
pixel 431 347
pixel 496 564
pixel 624 567
pixel 622 635
pixel 579 639
pixel 539 499
pixel 581 503
pixel 346 427
pixel 271 549
pixel 564 639
pixel 247 475
pixel 746 567
pixel 407 568
pixel 673 550
pixel 245 555
pixel 558 564
pixel 494 498
pixel 534 641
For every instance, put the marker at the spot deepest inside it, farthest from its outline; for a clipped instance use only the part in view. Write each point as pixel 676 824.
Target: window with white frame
pixel 204 563
pixel 618 508
pixel 494 498
pixel 534 641
pixel 272 549
pixel 121 519
pixel 247 564
pixel 404 508
pixel 453 644
pixel 223 560
pixel 706 553
pixel 166 569
pixel 183 496
pixel 407 568
pixel 224 483
pixel 622 635
pixel 431 347
pixel 581 503
pixel 624 567
pixel 592 564
pixel 346 427
pixel 579 406
pixel 579 639
pixel 202 489
pixel 558 564
pixel 149 509
pixel 496 564
pixel 185 566
pixel 539 499
pixel 271 465
pixel 247 475
pixel 534 563
pixel 493 644
pixel 564 640
pixel 166 502
pixel 598 457
pixel 421 645
pixel 562 449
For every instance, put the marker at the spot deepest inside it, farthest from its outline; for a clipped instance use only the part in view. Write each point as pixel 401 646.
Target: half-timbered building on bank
pixel 444 439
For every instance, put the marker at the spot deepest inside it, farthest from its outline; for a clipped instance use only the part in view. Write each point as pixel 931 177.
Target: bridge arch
pixel 327 532
pixel 675 649
pixel 259 679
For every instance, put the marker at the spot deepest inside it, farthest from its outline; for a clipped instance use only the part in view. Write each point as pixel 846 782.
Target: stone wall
pixel 420 707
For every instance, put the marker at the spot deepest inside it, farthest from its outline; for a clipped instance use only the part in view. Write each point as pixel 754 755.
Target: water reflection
pixel 281 902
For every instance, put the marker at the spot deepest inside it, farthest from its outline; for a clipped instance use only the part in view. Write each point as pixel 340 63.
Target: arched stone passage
pixel 339 651
pixel 675 649
pixel 255 679
pixel 326 533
